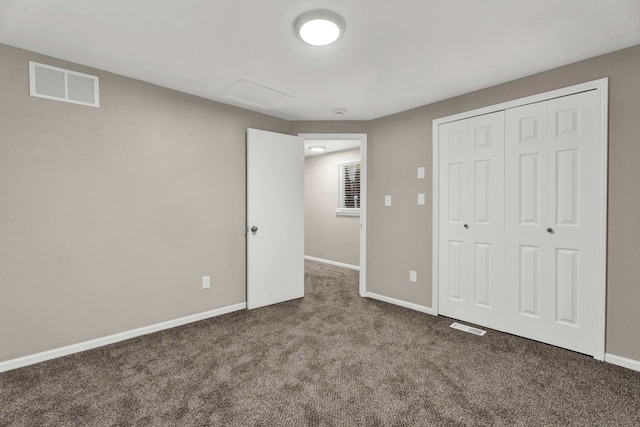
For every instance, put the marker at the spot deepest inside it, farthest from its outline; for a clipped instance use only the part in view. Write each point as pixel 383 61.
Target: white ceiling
pixel 395 55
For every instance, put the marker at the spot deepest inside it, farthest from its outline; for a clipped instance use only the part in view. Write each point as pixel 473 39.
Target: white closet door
pixel 526 218
pixel 454 213
pixel 552 223
pixel 471 216
pixel 486 220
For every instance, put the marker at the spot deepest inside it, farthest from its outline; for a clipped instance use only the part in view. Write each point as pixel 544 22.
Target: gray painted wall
pixel 327 236
pixel 110 216
pixel 399 237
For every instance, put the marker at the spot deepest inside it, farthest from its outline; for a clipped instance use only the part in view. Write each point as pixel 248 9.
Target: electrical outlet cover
pixel 206 282
pixel 413 276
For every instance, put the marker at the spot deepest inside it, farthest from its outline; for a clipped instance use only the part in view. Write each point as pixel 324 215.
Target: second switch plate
pixel 206 282
pixel 387 200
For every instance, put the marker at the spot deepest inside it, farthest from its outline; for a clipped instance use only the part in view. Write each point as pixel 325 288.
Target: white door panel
pixel 521 217
pixel 527 284
pixel 486 222
pixel 550 233
pixel 453 169
pixel 574 173
pixel 472 219
pixel 526 217
pixel 275 206
pixel 519 220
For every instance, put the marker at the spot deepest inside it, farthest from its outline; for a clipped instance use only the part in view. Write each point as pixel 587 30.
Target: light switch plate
pixel 206 282
pixel 413 276
pixel 421 172
pixel 421 199
pixel 387 200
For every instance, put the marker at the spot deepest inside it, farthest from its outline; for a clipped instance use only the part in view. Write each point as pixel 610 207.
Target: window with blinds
pixel 349 188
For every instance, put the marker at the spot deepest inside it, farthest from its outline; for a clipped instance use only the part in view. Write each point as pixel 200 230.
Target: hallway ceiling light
pixel 317 149
pixel 319 27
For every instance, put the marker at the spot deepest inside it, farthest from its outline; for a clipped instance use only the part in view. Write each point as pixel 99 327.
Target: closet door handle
pixel 466 226
pixel 550 230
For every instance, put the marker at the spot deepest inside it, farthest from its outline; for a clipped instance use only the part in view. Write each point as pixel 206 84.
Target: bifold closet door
pixel 471 225
pixel 552 225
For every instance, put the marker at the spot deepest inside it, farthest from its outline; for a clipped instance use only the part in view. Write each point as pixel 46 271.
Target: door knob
pixel 254 229
pixel 466 226
pixel 550 230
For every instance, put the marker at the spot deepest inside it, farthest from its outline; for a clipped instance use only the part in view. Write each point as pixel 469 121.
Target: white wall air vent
pixel 470 329
pixel 50 82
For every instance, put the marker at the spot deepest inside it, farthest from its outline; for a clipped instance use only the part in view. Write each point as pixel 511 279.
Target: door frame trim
pixel 601 86
pixel 362 137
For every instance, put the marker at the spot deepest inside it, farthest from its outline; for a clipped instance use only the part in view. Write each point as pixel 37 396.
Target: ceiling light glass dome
pixel 319 27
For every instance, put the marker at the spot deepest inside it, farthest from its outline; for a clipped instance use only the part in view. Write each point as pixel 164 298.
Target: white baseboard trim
pixel 110 339
pixel 336 263
pixel 622 361
pixel 401 303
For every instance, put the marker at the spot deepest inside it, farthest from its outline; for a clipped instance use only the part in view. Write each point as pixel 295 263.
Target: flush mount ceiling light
pixel 317 149
pixel 319 27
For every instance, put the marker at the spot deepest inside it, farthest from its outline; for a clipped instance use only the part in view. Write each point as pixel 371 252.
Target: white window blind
pixel 349 188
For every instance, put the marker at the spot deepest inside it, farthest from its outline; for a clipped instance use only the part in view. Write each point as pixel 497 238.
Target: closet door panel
pixel 529 275
pixel 486 226
pixel 573 172
pixel 527 258
pixel 521 244
pixel 529 191
pixel 453 244
pixel 551 211
pixel 484 271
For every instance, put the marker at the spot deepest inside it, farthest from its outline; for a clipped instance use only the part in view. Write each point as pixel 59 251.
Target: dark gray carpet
pixel 330 359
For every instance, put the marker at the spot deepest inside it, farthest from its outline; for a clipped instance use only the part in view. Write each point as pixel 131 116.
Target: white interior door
pixel 471 212
pixel 486 227
pixel 548 276
pixel 526 216
pixel 275 218
pixel 454 237
pixel 552 225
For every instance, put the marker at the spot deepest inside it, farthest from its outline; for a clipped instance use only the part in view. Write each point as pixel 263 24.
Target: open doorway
pixel 335 200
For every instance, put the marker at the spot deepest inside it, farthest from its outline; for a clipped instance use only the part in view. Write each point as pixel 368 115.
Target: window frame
pixel 341 209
